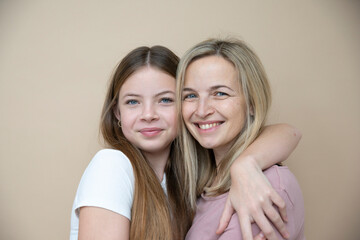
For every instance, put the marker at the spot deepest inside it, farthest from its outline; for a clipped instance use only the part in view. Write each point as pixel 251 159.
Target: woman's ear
pixel 251 111
pixel 116 112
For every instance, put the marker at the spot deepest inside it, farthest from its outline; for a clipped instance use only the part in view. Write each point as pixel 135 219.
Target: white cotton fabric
pixel 108 182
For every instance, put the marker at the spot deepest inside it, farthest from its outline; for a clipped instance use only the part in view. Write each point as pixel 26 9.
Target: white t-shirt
pixel 108 182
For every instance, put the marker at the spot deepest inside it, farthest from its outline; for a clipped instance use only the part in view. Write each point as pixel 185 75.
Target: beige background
pixel 56 58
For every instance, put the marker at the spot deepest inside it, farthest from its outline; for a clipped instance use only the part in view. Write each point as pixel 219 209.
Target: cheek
pixel 237 113
pixel 126 128
pixel 187 110
pixel 171 117
pixel 128 119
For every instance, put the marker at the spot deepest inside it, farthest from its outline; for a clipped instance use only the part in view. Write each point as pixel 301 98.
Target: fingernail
pixel 287 235
pixel 262 235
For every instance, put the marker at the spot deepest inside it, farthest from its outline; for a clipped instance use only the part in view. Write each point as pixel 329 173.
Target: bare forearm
pixel 273 145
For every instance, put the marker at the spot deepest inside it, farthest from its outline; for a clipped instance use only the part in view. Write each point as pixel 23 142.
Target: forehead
pixel 211 69
pixel 148 78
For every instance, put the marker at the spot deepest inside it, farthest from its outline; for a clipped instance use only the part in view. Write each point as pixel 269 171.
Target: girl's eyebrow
pixel 164 92
pixel 156 95
pixel 131 95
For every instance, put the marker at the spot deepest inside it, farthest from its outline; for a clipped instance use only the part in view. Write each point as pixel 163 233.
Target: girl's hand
pixel 254 200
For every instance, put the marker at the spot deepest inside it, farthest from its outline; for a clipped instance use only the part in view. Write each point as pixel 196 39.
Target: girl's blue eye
pixel 132 102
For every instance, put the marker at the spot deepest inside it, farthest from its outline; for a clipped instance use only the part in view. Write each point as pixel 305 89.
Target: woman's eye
pixel 221 94
pixel 166 100
pixel 189 96
pixel 132 102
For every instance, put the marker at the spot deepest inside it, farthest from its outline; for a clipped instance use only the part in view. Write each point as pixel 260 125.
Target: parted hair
pixel 200 162
pixel 154 215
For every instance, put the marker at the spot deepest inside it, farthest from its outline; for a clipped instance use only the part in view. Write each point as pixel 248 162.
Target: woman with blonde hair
pixel 138 188
pixel 225 99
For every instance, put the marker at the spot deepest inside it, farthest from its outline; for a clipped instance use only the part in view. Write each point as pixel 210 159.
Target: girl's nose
pixel 149 113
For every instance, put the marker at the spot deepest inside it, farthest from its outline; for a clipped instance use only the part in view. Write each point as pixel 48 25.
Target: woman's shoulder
pixel 279 175
pixel 285 183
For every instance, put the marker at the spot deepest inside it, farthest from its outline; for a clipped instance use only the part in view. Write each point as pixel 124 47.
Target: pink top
pixel 209 210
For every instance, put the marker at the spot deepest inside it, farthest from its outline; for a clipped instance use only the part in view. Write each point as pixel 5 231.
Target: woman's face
pixel 147 110
pixel 213 104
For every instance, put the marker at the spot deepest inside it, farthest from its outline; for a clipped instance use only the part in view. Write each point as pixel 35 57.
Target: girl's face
pixel 146 108
pixel 213 106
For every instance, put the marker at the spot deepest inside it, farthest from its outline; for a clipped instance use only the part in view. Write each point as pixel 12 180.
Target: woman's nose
pixel 204 108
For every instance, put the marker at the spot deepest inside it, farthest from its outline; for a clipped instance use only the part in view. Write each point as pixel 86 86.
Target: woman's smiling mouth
pixel 207 126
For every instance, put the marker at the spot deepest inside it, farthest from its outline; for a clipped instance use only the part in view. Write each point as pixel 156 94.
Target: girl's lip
pixel 150 132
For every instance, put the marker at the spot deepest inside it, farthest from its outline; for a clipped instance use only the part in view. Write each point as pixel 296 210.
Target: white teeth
pixel 207 126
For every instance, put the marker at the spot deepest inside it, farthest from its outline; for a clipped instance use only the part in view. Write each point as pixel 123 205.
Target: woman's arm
pixel 99 223
pixel 250 194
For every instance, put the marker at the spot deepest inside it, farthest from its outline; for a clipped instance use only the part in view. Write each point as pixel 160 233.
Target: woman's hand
pixel 254 200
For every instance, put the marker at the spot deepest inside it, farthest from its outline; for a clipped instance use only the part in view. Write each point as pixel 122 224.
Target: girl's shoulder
pixel 110 160
pixel 109 169
pixel 107 182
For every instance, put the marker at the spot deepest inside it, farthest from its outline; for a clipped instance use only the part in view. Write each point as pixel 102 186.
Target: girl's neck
pixel 157 161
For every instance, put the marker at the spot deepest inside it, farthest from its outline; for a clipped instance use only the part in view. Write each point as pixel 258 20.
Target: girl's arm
pixel 104 197
pixel 250 194
pixel 98 223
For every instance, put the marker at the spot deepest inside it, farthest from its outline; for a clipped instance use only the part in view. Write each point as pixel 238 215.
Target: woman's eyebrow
pixel 188 89
pixel 220 86
pixel 212 88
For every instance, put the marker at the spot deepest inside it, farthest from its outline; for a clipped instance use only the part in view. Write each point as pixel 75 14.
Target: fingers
pixel 225 217
pixel 265 226
pixel 260 236
pixel 279 202
pixel 246 227
pixel 275 218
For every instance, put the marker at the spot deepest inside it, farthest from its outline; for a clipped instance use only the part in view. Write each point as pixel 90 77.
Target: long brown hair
pixel 256 90
pixel 154 215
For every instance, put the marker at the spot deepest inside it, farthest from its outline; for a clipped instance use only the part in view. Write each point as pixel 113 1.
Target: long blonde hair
pixel 199 162
pixel 153 215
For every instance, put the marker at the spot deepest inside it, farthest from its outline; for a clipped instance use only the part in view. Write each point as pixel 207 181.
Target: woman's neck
pixel 157 161
pixel 220 152
pixel 219 155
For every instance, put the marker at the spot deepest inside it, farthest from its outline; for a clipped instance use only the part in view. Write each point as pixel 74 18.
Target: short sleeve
pixel 108 182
